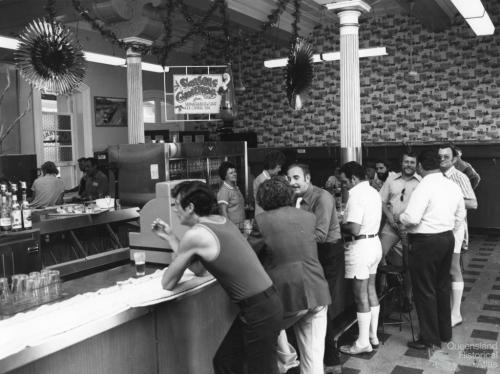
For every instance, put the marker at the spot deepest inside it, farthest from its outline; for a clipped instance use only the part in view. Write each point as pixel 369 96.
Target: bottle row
pixel 14 216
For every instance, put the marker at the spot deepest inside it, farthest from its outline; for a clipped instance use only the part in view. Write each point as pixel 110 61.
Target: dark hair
pixel 408 154
pixel 385 162
pixel 49 168
pixel 304 167
pixel 92 160
pixel 82 159
pixel 352 168
pixel 454 151
pixel 199 194
pixel 224 167
pixel 273 159
pixel 429 160
pixel 275 193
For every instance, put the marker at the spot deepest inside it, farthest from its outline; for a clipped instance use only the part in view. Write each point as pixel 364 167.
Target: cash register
pixel 162 206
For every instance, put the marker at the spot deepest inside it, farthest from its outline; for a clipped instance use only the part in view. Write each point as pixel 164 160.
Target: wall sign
pixel 197 93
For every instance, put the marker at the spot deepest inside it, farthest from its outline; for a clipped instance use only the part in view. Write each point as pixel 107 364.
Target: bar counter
pixel 180 334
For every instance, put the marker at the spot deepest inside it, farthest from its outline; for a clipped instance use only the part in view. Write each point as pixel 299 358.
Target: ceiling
pixel 142 18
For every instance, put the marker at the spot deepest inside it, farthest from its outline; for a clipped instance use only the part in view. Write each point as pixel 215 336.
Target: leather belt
pixel 358 237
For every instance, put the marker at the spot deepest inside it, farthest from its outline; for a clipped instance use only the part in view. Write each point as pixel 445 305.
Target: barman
pixel 214 243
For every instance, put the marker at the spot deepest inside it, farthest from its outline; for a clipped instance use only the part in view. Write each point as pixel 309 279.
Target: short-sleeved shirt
pixel 364 207
pixel 96 186
pixel 462 181
pixel 233 198
pixel 48 191
pixel 396 192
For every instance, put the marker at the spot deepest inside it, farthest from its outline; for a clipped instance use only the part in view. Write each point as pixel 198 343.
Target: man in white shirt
pixel 362 253
pixel 435 209
pixel 273 162
pixel 395 194
pixel 448 156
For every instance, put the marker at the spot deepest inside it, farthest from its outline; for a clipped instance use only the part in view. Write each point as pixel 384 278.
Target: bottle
pixel 5 221
pixel 25 208
pixel 16 215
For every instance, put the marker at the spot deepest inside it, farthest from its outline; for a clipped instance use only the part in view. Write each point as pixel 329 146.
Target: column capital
pixel 135 45
pixel 343 5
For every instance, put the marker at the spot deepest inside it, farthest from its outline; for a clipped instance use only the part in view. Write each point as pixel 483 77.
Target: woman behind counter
pixel 229 198
pixel 48 189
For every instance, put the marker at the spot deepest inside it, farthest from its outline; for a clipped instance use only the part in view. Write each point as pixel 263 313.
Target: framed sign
pixel 197 93
pixel 110 111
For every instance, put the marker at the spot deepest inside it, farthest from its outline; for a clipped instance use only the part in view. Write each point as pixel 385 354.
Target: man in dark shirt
pixel 81 186
pixel 96 182
pixel 327 235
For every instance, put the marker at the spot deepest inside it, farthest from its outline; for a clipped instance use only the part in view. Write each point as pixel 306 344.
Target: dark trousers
pixel 251 340
pixel 430 261
pixel 331 257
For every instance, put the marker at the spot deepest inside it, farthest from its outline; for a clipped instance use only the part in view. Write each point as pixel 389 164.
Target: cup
pixel 54 283
pixel 140 263
pixel 4 291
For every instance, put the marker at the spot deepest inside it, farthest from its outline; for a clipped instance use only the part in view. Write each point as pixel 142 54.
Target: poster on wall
pixel 110 111
pixel 197 93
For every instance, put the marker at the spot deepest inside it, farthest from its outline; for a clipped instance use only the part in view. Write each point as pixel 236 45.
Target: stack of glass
pixel 28 290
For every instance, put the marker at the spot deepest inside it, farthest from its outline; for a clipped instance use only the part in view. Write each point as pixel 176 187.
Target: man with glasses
pixel 395 194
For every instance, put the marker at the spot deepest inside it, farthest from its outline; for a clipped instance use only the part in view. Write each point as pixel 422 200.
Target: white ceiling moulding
pixel 476 16
pixel 98 58
pixel 329 56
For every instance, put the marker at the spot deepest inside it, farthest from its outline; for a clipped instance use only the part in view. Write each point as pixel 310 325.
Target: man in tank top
pixel 214 243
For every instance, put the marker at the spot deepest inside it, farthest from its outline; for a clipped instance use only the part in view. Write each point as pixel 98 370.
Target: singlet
pixel 237 267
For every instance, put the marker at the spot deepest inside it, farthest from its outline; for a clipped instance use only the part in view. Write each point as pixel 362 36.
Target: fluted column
pixel 134 91
pixel 350 111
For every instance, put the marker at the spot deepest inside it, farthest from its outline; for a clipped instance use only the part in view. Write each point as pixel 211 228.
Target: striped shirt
pixel 462 181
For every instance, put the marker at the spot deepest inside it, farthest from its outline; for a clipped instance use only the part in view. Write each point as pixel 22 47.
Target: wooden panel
pixel 126 349
pixel 191 329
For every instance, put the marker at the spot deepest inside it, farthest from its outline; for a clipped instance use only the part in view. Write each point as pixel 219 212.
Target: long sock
pixel 375 311
pixel 457 289
pixel 364 328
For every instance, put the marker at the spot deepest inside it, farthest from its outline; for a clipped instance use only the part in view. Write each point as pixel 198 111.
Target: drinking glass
pixel 4 291
pixel 54 283
pixel 140 263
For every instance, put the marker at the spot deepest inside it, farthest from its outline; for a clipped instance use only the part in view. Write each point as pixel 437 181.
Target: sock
pixel 457 289
pixel 364 328
pixel 374 310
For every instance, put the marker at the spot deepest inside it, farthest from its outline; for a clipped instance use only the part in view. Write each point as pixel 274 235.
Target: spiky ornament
pixel 50 57
pixel 299 72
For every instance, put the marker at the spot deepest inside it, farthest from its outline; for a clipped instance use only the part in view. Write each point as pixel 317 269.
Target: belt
pixel 358 237
pixel 258 297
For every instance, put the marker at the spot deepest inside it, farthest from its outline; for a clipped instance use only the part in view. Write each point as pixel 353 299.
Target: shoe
pixel 374 342
pixel 354 349
pixel 421 345
pixel 456 322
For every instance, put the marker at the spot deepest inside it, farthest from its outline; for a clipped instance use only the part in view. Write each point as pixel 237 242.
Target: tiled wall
pixel 455 96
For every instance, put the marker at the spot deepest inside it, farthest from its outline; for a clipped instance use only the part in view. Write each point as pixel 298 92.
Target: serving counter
pixel 142 332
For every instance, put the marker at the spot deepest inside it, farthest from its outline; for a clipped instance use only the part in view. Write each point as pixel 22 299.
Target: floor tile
pixel 484 334
pixel 476 266
pixel 489 319
pixel 498 279
pixel 470 272
pixel 495 287
pixel 469 280
pixel 406 370
pixel 469 370
pixel 467 289
pixel 418 353
pixel 483 253
pixel 493 297
pixel 492 307
pixel 479 259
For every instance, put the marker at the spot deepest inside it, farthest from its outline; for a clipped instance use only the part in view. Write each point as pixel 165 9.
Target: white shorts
pixel 459 235
pixel 362 258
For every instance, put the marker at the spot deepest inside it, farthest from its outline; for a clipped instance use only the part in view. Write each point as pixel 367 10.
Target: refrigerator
pixel 138 167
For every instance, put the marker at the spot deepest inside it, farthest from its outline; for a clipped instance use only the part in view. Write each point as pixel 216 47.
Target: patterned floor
pixel 475 345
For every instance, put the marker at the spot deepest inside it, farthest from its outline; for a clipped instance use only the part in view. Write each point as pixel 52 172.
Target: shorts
pixel 362 258
pixel 459 235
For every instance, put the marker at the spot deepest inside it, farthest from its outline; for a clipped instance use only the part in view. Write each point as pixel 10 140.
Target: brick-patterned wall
pixel 456 95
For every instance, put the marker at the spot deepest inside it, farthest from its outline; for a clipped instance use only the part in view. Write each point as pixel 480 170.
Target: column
pixel 350 111
pixel 134 91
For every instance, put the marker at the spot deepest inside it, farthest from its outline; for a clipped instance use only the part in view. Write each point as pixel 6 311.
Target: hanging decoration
pixel 49 56
pixel 299 73
pixel 299 70
pixel 228 109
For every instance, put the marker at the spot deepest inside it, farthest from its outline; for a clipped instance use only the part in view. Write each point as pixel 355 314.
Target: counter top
pixel 94 304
